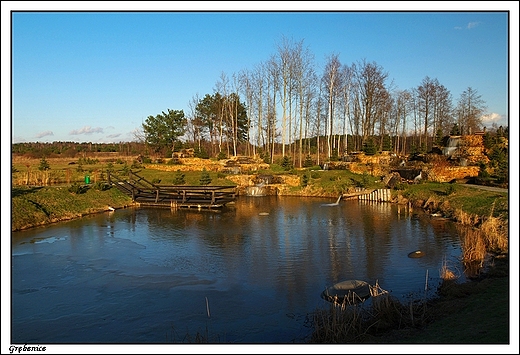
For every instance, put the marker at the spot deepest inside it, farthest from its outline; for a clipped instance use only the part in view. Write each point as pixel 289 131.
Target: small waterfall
pixel 452 146
pixel 257 190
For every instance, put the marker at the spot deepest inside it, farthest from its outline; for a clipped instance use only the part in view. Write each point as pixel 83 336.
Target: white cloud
pixel 494 119
pixel 86 130
pixel 44 134
pixel 469 26
pixel 472 25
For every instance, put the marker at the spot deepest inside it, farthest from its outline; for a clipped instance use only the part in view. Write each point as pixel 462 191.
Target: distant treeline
pixel 203 148
pixel 73 149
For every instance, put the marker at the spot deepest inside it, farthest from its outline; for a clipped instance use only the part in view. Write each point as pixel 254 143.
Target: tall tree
pixel 163 130
pixel 286 68
pixel 425 96
pixel 332 83
pixel 470 109
pixel 372 97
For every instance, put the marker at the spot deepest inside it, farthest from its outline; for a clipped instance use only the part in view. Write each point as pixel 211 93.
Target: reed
pixel 495 234
pixel 349 322
pixel 446 273
pixel 473 244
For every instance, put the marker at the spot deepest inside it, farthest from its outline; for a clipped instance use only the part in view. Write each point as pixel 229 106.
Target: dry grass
pixel 495 234
pixel 361 322
pixel 473 244
pixel 465 218
pixel 446 273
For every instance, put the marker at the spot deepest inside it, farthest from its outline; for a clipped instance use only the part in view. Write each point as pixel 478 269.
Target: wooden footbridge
pixel 146 193
pixel 378 195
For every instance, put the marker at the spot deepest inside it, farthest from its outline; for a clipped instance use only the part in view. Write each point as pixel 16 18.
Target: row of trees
pixel 286 103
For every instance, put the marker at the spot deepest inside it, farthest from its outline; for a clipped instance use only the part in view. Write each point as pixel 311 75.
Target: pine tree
pixel 205 179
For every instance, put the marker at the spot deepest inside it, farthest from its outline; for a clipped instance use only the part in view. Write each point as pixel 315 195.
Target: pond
pixel 251 272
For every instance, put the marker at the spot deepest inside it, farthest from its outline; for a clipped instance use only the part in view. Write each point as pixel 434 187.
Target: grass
pixel 34 206
pixel 474 312
pixel 460 197
pixel 192 178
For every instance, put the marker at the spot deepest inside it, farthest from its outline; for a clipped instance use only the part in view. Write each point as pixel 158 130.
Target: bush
pixel 205 179
pixel 201 153
pixel 179 178
pixel 100 186
pixel 307 163
pixel 365 180
pixel 286 163
pixel 449 190
pixel 44 165
pixel 305 180
pixel 221 156
pixel 399 186
pixel 77 188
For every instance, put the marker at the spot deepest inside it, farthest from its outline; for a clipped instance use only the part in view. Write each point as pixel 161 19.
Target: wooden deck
pixel 145 193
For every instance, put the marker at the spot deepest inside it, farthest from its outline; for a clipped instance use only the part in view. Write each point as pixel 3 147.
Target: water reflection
pixel 145 275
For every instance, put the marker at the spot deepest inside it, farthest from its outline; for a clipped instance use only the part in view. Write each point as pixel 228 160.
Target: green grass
pixel 33 206
pixel 470 200
pixel 192 178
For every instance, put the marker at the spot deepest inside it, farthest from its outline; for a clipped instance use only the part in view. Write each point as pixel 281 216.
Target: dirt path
pixel 488 188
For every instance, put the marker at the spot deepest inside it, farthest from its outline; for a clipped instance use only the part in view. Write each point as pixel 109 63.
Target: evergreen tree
pixel 205 179
pixel 179 178
pixel 369 147
pixel 44 165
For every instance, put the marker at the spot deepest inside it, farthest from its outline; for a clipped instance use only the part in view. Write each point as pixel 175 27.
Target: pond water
pixel 252 272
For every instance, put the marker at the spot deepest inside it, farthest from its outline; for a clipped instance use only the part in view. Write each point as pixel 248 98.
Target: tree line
pixel 284 107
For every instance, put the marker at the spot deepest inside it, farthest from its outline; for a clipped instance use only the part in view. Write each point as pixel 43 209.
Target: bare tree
pixel 331 82
pixel 273 75
pixel 372 97
pixel 400 114
pixel 196 125
pixel 303 77
pixel 259 83
pixel 470 108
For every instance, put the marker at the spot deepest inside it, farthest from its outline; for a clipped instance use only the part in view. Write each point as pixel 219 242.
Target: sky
pixel 96 76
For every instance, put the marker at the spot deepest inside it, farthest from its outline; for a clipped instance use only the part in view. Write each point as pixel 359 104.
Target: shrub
pixel 44 165
pixel 179 178
pixel 450 189
pixel 77 189
pixel 221 156
pixel 205 179
pixel 201 153
pixel 286 163
pixel 307 163
pixel 100 186
pixel 365 180
pixel 305 180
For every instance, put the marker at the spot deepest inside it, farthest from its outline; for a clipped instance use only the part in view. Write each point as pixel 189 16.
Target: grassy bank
pixel 36 206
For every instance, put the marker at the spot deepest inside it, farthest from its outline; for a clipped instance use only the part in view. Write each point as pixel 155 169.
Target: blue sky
pixel 96 76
